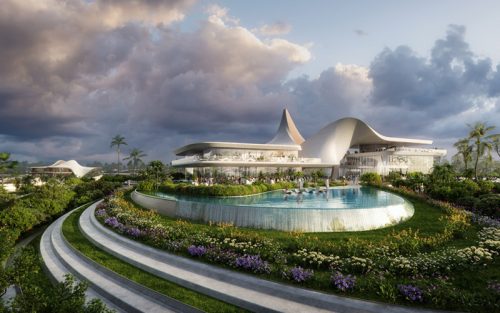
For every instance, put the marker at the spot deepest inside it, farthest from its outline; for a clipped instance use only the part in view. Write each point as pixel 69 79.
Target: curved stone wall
pixel 305 220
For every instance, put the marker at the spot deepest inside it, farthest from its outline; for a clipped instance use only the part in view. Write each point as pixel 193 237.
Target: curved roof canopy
pixel 287 133
pixel 72 165
pixel 333 141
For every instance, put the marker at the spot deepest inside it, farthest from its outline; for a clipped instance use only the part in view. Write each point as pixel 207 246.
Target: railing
pixel 196 158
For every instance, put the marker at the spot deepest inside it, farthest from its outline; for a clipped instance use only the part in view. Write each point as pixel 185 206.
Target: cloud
pixel 275 29
pixel 133 74
pixel 360 32
pixel 121 67
pixel 451 82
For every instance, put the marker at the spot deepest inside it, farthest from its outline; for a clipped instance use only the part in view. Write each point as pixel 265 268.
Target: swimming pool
pixel 351 208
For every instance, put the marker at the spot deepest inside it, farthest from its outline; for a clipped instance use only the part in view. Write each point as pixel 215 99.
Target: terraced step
pixel 246 291
pixel 118 292
pixel 56 269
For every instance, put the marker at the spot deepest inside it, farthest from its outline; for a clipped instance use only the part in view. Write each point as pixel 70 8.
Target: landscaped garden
pixel 444 257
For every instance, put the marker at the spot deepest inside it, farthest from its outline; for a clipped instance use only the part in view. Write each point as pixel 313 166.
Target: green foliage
pixel 6 198
pixel 146 185
pixel 489 204
pixel 38 295
pixel 5 163
pixel 218 190
pixel 372 179
pixel 93 190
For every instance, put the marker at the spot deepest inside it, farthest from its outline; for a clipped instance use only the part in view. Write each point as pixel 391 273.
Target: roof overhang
pixel 198 163
pixel 201 146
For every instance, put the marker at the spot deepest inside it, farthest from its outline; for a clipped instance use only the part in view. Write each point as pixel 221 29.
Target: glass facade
pixel 404 160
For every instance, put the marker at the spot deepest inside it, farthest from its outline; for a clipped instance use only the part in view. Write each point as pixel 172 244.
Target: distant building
pixel 345 147
pixel 64 168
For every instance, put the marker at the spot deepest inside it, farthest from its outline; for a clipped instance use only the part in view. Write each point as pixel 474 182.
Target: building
pixel 64 168
pixel 345 147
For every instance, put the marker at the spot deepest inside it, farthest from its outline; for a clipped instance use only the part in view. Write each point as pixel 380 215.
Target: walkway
pixel 117 292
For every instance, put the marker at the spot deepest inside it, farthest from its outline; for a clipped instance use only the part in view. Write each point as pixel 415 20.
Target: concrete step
pixel 246 291
pixel 120 292
pixel 56 270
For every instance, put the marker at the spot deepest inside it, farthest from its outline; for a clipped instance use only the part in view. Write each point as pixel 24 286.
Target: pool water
pixel 351 197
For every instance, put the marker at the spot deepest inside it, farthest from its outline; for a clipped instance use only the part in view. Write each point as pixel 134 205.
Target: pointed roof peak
pixel 287 133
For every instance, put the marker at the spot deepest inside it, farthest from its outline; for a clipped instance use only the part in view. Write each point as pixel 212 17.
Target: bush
pixel 489 205
pixel 373 179
pixel 217 190
pixel 468 202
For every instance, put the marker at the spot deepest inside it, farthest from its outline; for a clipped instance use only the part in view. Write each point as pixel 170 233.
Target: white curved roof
pixel 333 141
pixel 287 133
pixel 200 146
pixel 72 165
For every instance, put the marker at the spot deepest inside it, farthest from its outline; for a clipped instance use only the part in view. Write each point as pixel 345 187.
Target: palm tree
pixel 135 158
pixel 117 141
pixel 478 134
pixel 465 150
pixel 495 140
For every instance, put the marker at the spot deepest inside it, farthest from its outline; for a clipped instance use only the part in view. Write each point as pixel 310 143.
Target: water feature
pixel 350 208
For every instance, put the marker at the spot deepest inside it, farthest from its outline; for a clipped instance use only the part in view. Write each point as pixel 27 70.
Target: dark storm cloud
pixel 76 73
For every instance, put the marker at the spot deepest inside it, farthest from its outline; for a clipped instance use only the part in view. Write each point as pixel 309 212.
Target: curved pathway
pixel 117 292
pixel 246 291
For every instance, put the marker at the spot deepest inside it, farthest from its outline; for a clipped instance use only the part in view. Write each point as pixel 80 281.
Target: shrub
pixel 371 179
pixel 489 205
pixel 217 190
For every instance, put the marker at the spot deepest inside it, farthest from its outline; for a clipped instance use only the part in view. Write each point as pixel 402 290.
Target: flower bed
pixel 405 267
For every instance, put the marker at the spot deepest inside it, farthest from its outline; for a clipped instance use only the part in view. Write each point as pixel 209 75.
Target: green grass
pixel 75 238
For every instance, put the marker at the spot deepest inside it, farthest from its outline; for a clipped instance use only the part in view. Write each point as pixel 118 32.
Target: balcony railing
pixel 232 159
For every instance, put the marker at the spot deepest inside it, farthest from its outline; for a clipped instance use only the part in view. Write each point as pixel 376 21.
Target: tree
pixel 135 158
pixel 478 134
pixel 464 150
pixel 4 161
pixel 156 168
pixel 118 141
pixel 496 143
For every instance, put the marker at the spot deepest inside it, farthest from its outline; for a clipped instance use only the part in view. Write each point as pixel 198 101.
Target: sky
pixel 163 74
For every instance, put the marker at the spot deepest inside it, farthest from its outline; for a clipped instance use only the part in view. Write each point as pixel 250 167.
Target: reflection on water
pixel 335 198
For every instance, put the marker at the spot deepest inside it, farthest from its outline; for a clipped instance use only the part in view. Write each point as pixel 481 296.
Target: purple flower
pixel 341 282
pixel 197 250
pixel 412 293
pixel 299 274
pixel 133 232
pixel 100 212
pixel 253 263
pixel 219 255
pixel 113 222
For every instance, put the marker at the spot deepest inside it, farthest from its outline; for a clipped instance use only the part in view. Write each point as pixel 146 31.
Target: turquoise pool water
pixel 352 197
